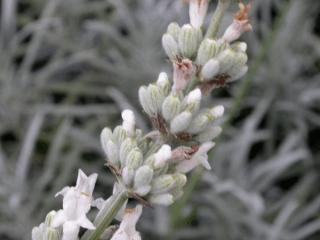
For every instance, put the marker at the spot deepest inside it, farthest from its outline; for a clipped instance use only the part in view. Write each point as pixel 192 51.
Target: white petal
pixel 62 192
pixel 86 223
pixel 120 234
pixel 205 163
pixel 70 231
pixel 59 219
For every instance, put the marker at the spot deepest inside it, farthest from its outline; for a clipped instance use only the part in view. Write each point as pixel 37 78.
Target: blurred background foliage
pixel 67 69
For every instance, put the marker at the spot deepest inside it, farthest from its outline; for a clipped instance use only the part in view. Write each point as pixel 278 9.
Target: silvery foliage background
pixel 67 68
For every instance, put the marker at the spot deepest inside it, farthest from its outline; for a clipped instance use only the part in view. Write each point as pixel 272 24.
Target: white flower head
pixel 199 158
pixel 128 121
pixel 76 204
pixel 197 12
pixel 127 229
pixel 162 156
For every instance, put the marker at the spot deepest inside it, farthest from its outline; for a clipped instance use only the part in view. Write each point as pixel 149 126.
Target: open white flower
pixel 127 229
pixel 76 204
pixel 199 158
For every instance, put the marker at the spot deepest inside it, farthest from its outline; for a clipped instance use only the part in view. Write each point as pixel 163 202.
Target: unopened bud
pixel 209 134
pixel 240 46
pixel 134 158
pixel 52 234
pixel 216 112
pixel 162 156
pixel 128 121
pixel 207 50
pixel 119 134
pixel 49 218
pixel 127 175
pixel 210 69
pixel 188 41
pixel 112 153
pixel 163 82
pixel 105 136
pixel 174 30
pixel 180 122
pixel 170 46
pixel 226 59
pixel 156 98
pixel 162 184
pixel 193 100
pixel 236 74
pixel 143 176
pixel 180 180
pixel 144 99
pixel 125 148
pixel 162 199
pixel 170 107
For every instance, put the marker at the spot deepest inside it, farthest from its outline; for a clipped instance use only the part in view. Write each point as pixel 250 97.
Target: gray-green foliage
pixel 56 95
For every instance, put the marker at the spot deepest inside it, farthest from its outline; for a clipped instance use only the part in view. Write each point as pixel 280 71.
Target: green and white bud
pixel 119 134
pixel 52 234
pixel 125 148
pixel 127 175
pixel 209 134
pixel 210 69
pixel 216 112
pixel 193 100
pixel 180 180
pixel 134 158
pixel 143 176
pixel 170 107
pixel 174 30
pixel 156 97
pixel 180 122
pixel 145 100
pixel 112 153
pixel 236 74
pixel 162 156
pixel 239 46
pixel 49 218
pixel 188 41
pixel 207 50
pixel 162 199
pixel 105 136
pixel 226 59
pixel 170 46
pixel 164 83
pixel 162 184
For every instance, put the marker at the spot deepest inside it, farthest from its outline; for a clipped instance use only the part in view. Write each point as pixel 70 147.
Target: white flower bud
pixel 210 69
pixel 170 46
pixel 134 158
pixel 112 153
pixel 226 59
pixel 170 107
pixel 193 100
pixel 105 136
pixel 180 180
pixel 49 218
pixel 240 46
pixel 174 30
pixel 52 234
pixel 119 134
pixel 209 134
pixel 125 148
pixel 143 176
pixel 162 184
pixel 145 100
pixel 156 98
pixel 188 41
pixel 180 122
pixel 207 50
pixel 127 175
pixel 217 112
pixel 163 80
pixel 235 74
pixel 162 156
pixel 162 199
pixel 128 121
pixel 197 12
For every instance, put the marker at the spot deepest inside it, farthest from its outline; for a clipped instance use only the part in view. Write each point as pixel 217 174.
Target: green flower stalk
pixel 152 168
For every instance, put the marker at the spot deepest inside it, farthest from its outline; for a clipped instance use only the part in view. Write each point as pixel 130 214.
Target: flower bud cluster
pixel 146 174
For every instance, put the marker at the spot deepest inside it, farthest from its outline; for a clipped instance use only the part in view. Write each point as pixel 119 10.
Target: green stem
pixel 216 18
pixel 106 215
